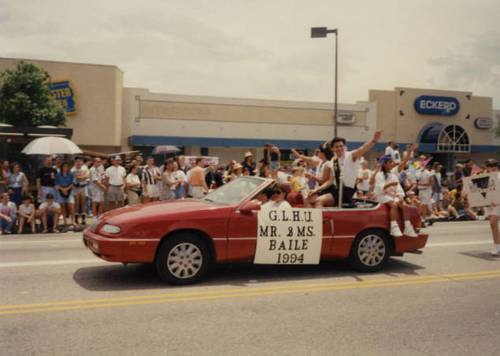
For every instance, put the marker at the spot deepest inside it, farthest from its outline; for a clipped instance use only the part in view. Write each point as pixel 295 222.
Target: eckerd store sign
pixel 436 105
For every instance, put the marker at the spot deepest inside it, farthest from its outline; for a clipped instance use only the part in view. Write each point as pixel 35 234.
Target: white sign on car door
pixel 289 236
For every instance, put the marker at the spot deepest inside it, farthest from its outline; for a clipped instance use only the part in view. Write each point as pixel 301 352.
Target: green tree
pixel 25 98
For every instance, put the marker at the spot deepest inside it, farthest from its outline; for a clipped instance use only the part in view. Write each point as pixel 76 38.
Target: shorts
pixel 115 194
pixel 387 198
pixel 80 191
pixel 47 190
pixel 492 210
pixel 96 194
pixel 198 192
pixel 425 197
pixel 274 165
pixel 153 190
pixel 331 189
pixel 64 200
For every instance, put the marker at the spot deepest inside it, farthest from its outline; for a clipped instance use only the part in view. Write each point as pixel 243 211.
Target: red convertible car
pixel 184 237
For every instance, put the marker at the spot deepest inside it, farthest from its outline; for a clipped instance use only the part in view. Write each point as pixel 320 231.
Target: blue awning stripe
pixel 145 140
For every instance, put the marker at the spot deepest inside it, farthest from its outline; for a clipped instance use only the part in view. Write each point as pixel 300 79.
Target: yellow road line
pixel 245 292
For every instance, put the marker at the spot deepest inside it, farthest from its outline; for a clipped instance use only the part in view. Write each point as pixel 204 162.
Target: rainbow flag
pixel 423 163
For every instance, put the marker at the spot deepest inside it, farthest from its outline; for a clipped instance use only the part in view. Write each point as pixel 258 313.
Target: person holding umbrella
pixel 45 180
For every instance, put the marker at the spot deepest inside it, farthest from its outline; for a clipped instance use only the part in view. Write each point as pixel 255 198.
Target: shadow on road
pixel 143 276
pixel 484 255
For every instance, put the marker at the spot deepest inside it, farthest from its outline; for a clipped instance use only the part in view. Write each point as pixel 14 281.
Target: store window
pixel 453 138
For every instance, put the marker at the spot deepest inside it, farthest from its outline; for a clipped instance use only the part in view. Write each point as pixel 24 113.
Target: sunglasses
pixel 278 192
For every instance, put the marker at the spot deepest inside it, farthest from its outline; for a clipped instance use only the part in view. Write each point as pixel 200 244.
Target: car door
pixel 242 235
pixel 344 223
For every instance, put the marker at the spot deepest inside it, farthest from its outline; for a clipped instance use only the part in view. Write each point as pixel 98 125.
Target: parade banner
pixel 289 236
pixel 483 189
pixel 209 161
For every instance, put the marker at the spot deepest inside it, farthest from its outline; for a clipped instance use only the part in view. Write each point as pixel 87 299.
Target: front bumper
pixel 120 249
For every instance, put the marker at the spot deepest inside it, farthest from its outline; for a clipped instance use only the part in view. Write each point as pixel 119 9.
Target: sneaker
pixel 495 253
pixel 409 231
pixel 395 231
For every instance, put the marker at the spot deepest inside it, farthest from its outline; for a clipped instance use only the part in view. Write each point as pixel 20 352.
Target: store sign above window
pixel 483 123
pixel 64 93
pixel 437 105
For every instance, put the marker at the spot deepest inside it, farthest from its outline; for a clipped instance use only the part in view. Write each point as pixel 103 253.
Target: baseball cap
pixel 116 158
pixel 383 160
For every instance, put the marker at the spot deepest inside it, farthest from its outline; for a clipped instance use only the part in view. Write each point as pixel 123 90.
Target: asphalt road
pixel 58 299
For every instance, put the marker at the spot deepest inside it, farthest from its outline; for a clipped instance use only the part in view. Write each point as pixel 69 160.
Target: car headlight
pixel 110 229
pixel 94 225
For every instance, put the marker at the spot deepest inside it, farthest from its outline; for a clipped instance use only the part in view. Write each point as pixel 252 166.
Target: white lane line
pixel 95 260
pixel 27 242
pixel 49 263
pixel 463 243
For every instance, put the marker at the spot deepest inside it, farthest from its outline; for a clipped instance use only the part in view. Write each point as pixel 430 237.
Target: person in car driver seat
pixel 278 199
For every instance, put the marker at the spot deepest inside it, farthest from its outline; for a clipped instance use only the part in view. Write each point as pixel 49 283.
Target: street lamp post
pixel 317 32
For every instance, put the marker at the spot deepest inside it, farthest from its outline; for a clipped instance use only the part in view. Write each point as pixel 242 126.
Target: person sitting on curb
pixel 49 209
pixel 26 214
pixel 7 214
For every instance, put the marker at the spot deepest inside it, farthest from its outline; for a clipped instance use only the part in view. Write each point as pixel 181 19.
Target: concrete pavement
pixel 57 298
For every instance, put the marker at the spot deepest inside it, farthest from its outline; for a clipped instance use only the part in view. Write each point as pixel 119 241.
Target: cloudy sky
pixel 262 48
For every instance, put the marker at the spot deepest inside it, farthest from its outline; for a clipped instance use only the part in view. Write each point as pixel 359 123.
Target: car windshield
pixel 234 191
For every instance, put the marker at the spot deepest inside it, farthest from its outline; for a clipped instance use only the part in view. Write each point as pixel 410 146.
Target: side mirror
pixel 249 207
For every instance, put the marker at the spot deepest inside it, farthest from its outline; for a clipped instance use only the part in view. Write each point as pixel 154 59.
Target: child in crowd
pixel 26 214
pixel 298 181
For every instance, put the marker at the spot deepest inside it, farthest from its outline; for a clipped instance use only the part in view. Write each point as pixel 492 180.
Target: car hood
pixel 150 210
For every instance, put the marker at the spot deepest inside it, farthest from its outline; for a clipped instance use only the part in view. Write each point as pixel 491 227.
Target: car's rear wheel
pixel 370 251
pixel 182 259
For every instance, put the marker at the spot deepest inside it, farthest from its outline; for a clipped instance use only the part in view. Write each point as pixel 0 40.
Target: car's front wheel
pixel 370 251
pixel 182 259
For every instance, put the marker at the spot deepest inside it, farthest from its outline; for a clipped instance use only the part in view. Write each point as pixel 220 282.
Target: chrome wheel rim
pixel 184 260
pixel 371 250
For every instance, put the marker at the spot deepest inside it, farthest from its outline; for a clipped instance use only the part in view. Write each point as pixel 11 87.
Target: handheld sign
pixel 483 189
pixel 289 236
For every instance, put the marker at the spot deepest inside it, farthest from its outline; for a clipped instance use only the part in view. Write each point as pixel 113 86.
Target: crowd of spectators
pixel 67 192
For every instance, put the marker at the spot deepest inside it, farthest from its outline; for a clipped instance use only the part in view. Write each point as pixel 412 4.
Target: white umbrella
pixel 165 149
pixel 51 146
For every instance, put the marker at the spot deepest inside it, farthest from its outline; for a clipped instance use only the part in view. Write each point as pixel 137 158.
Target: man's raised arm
pixel 356 154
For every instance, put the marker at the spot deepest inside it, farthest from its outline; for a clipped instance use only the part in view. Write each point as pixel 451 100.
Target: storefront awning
pixel 138 140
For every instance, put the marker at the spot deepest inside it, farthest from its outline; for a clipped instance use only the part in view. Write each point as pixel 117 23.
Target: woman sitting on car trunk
pixel 390 192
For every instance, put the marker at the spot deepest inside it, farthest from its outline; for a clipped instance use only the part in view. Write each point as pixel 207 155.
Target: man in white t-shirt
pixel 115 176
pixel 346 165
pixel 180 190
